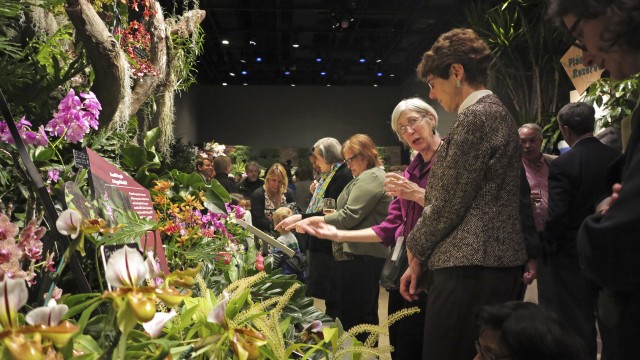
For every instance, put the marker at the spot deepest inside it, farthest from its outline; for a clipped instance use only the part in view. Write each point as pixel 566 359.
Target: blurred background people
pixel 252 181
pixel 607 32
pixel 272 195
pixel 222 167
pixel 204 167
pixel 524 331
pixel 469 236
pixel 304 179
pixel 577 182
pixel 414 122
pixel 362 204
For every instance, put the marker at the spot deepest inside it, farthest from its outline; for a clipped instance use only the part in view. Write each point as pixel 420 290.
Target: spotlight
pixel 293 84
pixel 375 85
pixel 258 59
pixel 243 61
pixel 323 73
pixel 251 42
pixel 245 84
pixel 232 74
pixel 378 60
pixel 392 75
pixel 287 72
pixel 224 84
pixel 379 73
pixel 318 58
pixel 225 42
pixel 244 72
pixel 362 59
pixel 296 45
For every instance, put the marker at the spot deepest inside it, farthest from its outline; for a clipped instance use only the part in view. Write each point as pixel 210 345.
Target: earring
pixel 458 83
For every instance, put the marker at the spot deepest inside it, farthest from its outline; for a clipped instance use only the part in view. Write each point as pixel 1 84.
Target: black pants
pixel 563 289
pixel 356 291
pixel 455 294
pixel 406 334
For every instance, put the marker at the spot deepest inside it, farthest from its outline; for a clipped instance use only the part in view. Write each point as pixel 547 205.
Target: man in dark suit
pixel 577 182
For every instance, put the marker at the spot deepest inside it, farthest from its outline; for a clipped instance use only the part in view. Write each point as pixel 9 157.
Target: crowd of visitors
pixel 477 215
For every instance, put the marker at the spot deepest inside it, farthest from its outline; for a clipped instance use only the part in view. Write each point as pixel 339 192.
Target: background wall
pixel 287 116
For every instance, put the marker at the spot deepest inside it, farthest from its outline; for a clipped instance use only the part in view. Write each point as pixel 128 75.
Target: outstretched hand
pixel 319 229
pixel 289 222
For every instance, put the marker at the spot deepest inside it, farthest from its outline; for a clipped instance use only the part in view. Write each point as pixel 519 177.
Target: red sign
pixel 116 186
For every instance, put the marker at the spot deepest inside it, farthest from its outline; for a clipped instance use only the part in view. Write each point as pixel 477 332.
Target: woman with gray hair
pixel 414 122
pixel 334 176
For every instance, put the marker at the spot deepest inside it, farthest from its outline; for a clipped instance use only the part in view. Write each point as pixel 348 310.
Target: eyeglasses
pixel 486 355
pixel 430 83
pixel 576 34
pixel 350 160
pixel 411 123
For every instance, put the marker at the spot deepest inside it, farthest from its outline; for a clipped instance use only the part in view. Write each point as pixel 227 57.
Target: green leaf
pixel 151 137
pixel 134 157
pixel 44 153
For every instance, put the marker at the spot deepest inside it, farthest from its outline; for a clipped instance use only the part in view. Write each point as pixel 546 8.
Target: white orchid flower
pixel 160 319
pixel 49 315
pixel 126 268
pixel 13 296
pixel 69 222
pixel 153 269
pixel 216 315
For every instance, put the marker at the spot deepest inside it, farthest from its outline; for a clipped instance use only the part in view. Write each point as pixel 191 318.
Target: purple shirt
pixel 403 211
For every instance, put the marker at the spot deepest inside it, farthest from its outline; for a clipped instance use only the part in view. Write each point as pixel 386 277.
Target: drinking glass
pixel 328 206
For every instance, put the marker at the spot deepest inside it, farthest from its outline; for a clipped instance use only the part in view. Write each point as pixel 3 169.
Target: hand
pixel 299 224
pixel 313 186
pixel 409 288
pixel 399 186
pixel 320 230
pixel 530 272
pixel 605 204
pixel 288 222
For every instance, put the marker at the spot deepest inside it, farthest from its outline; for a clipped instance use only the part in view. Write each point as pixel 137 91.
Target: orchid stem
pixel 55 278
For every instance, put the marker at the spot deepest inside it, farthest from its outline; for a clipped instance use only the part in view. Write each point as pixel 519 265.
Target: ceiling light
pixel 224 84
pixel 323 73
pixel 392 75
pixel 379 73
pixel 258 59
pixel 296 45
pixel 318 58
pixel 232 74
pixel 225 42
pixel 293 84
pixel 375 85
pixel 243 61
pixel 362 59
pixel 245 84
pixel 328 84
pixel 251 42
pixel 378 60
pixel 244 72
pixel 287 72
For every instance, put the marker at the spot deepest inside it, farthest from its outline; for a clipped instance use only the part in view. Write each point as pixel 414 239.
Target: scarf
pixel 315 205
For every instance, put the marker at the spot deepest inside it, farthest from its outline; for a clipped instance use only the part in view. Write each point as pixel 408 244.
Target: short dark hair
pixel 221 164
pixel 200 162
pixel 458 46
pixel 528 331
pixel 623 18
pixel 579 117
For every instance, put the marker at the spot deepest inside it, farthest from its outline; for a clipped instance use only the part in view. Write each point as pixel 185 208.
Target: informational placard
pixel 266 237
pixel 581 76
pixel 112 184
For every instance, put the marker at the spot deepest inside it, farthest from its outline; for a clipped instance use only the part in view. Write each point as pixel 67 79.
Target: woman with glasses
pixel 607 31
pixel 467 249
pixel 524 331
pixel 362 204
pixel 414 122
pixel 334 176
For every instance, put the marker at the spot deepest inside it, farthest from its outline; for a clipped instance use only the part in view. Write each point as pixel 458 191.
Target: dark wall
pixel 286 116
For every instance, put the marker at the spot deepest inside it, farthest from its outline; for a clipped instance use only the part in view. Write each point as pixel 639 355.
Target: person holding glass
pixel 414 122
pixel 334 176
pixel 362 204
pixel 467 249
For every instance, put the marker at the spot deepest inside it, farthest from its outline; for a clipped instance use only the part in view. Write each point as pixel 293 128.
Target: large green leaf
pixel 151 137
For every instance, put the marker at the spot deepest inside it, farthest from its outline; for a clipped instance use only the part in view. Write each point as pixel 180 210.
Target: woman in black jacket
pixel 272 195
pixel 334 177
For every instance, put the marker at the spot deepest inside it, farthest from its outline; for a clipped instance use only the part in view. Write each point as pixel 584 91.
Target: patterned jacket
pixel 471 217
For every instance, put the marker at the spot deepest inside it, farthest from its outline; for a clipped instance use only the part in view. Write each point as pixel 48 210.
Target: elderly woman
pixel 415 123
pixel 362 204
pixel 607 33
pixel 469 236
pixel 272 195
pixel 334 176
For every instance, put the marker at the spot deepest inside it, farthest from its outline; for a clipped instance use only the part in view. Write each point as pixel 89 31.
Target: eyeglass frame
pixel 401 130
pixel 487 355
pixel 350 160
pixel 579 44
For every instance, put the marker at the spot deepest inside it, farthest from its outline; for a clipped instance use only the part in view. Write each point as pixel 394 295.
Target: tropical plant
pixel 616 99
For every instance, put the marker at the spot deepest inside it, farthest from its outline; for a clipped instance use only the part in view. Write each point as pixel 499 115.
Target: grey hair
pixel 330 149
pixel 416 104
pixel 534 127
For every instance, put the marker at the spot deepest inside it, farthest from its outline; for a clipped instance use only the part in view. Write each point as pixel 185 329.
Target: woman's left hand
pixel 308 222
pixel 398 186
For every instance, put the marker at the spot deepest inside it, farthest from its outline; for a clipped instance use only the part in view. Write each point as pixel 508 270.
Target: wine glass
pixel 328 206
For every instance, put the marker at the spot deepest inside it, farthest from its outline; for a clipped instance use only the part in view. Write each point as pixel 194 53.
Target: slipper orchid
pixel 13 296
pixel 154 327
pixel 69 223
pixel 49 315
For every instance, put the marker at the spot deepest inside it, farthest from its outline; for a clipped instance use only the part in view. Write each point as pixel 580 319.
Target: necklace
pixel 434 153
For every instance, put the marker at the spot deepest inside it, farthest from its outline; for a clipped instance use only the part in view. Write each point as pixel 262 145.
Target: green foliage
pixel 527 52
pixel 616 99
pixel 185 54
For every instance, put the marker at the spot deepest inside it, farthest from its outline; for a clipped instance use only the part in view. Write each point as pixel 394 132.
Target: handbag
pixel 394 266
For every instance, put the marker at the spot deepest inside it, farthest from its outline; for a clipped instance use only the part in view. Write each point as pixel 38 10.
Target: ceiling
pixel 320 42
